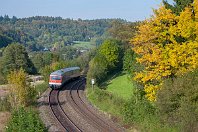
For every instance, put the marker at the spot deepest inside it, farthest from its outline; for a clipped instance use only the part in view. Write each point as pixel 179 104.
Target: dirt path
pixel 3 92
pixel 4 116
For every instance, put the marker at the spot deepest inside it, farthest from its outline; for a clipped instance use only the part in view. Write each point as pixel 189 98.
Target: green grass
pixel 83 45
pixel 118 91
pixel 105 101
pixel 121 86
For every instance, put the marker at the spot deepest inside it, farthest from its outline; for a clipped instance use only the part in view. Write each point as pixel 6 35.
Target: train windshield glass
pixel 55 77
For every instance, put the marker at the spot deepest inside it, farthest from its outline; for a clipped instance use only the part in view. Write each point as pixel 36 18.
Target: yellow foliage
pixel 21 92
pixel 167 46
pixel 196 9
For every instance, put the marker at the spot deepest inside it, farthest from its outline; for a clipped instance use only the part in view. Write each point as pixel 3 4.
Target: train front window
pixel 55 77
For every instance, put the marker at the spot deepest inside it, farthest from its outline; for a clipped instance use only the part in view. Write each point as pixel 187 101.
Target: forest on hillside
pixel 22 39
pixel 39 32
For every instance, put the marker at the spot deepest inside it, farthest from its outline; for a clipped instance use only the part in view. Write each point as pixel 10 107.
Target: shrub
pixel 178 101
pixel 25 121
pixel 137 111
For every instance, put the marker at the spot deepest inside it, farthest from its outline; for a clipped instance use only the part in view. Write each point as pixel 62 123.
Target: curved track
pixel 75 98
pixel 65 122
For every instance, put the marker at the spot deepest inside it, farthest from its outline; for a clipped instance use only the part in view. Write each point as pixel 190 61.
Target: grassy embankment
pixel 118 91
pixel 119 101
pixel 121 87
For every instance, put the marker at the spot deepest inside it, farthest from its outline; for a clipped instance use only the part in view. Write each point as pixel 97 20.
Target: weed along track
pixel 73 112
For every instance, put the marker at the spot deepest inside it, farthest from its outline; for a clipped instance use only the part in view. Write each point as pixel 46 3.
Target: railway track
pixel 66 124
pixel 74 98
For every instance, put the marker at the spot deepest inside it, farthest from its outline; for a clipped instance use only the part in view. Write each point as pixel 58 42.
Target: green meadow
pixel 83 45
pixel 121 86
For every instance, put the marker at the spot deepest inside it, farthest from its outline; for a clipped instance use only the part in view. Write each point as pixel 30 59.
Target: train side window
pixel 55 77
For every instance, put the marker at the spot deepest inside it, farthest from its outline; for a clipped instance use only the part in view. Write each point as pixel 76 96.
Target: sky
pixel 130 10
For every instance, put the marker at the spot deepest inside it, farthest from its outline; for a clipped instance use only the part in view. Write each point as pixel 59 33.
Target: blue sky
pixel 131 10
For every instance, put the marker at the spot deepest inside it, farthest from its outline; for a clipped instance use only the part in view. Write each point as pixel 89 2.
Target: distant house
pixel 83 50
pixel 45 49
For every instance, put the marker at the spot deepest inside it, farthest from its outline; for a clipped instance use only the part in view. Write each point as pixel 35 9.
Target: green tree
pixel 123 31
pixel 128 61
pixel 112 52
pixel 38 61
pixel 68 53
pixel 178 5
pixel 97 69
pixel 84 59
pixel 48 58
pixel 4 40
pixel 16 57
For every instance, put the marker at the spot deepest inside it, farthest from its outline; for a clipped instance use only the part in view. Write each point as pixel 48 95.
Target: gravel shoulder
pixel 45 113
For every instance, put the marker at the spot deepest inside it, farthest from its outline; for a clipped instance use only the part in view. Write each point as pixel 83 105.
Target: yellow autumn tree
pixel 21 94
pixel 167 46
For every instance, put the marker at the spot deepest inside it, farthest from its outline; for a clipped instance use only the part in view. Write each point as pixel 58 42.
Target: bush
pixel 144 116
pixel 178 101
pixel 137 111
pixel 25 121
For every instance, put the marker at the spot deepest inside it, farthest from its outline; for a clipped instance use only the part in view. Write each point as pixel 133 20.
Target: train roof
pixel 62 71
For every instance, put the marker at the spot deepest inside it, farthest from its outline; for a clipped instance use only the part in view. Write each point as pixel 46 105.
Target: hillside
pixel 39 32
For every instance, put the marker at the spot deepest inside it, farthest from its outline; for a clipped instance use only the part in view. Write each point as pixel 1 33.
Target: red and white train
pixel 60 77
